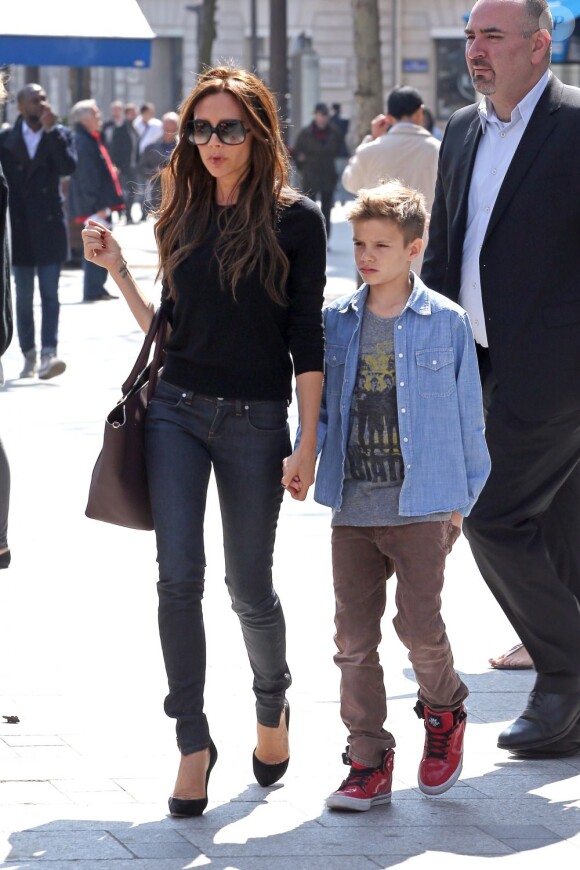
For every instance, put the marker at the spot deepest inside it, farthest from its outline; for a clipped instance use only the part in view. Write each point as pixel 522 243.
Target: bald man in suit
pixel 504 242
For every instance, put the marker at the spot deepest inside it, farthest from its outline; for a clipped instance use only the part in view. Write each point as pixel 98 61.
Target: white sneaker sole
pixel 359 805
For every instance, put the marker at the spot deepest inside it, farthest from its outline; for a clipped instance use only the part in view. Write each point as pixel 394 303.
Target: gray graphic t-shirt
pixel 374 469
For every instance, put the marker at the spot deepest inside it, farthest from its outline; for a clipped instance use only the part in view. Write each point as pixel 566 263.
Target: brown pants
pixel 362 559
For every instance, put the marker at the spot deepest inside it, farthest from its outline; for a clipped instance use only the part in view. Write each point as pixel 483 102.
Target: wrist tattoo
pixel 123 269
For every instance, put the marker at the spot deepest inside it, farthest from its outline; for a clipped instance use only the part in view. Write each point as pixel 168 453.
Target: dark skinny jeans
pixel 245 443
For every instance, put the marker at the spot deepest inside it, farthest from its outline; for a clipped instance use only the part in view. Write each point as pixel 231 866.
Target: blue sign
pixel 415 65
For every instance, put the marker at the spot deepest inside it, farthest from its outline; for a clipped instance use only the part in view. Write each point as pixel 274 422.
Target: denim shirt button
pixel 400 356
pixel 402 383
pixel 403 410
pixel 405 440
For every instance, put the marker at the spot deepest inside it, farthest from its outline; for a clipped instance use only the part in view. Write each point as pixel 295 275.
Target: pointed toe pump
pixel 268 774
pixel 181 807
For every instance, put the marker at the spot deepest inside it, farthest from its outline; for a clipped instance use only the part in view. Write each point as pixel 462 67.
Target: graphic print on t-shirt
pixel 374 453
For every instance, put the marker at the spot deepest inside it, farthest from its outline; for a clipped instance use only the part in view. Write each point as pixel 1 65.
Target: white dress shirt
pixel 496 149
pixel 31 139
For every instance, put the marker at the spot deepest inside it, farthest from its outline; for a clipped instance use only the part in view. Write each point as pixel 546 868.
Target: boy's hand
pixel 457 519
pixel 298 472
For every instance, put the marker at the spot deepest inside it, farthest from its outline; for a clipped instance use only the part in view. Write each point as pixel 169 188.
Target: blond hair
pixel 392 201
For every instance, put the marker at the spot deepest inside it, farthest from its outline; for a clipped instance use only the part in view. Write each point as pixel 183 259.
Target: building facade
pixel 422 44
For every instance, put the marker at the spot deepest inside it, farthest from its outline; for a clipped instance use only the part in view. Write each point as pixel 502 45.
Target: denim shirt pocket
pixel 335 358
pixel 435 372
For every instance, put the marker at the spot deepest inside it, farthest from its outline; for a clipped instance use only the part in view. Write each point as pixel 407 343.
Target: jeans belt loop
pixel 189 394
pixel 239 407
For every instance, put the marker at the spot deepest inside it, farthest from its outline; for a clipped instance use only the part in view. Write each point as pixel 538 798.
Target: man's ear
pixel 540 46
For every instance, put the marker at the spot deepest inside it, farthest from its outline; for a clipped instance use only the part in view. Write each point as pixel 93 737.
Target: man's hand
pixel 380 125
pixel 47 118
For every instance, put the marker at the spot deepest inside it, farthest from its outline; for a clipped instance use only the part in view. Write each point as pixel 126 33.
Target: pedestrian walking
pixel 243 262
pixel 398 147
pixel 36 153
pixel 399 476
pixel 315 152
pixel 121 140
pixel 502 240
pixel 155 158
pixel 95 190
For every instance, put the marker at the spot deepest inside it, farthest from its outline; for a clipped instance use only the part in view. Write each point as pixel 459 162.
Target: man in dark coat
pixel 503 241
pixel 314 153
pixel 95 190
pixel 35 154
pixel 121 140
pixel 155 157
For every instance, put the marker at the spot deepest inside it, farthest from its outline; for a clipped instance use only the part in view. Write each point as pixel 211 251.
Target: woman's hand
pixel 100 246
pixel 298 472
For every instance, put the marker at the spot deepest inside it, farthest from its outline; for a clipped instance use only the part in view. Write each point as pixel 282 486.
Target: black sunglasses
pixel 230 132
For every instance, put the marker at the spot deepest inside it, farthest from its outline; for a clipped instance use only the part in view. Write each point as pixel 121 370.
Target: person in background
pixel 341 124
pixel 5 339
pixel 398 147
pixel 121 139
pixel 149 129
pixel 430 125
pixel 255 252
pixel 95 190
pixel 36 154
pixel 155 157
pixel 315 152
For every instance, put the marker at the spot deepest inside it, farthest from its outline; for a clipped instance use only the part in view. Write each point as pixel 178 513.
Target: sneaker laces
pixel 358 776
pixel 437 742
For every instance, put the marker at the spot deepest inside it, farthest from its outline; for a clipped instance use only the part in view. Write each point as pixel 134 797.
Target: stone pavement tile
pixel 28 740
pixel 26 792
pixel 531 785
pixel 71 845
pixel 239 863
pixel 522 834
pixel 329 842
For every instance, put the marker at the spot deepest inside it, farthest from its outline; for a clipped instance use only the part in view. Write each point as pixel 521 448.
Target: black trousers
pixel 524 532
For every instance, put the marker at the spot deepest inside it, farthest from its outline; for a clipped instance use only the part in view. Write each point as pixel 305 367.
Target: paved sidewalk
pixel 85 774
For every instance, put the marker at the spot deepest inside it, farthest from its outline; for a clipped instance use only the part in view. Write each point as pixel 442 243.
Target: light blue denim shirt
pixel 441 425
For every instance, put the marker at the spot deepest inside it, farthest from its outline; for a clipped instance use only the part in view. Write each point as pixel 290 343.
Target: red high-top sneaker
pixel 364 787
pixel 443 752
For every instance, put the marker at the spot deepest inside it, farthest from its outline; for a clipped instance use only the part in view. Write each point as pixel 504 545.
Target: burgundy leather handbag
pixel 118 492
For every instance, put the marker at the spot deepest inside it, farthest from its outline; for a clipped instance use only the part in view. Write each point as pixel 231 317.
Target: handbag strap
pixel 156 333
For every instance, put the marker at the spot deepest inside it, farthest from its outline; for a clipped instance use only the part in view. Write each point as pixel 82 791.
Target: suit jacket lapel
pixel 464 171
pixel 540 126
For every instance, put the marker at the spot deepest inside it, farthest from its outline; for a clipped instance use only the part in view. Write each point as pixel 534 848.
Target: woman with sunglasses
pixel 242 257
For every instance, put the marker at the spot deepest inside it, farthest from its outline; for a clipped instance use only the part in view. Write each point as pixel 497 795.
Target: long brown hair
pixel 248 232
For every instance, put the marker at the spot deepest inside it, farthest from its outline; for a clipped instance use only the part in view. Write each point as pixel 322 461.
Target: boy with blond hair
pixel 403 459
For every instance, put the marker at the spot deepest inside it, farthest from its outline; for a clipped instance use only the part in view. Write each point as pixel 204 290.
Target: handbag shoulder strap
pixel 155 333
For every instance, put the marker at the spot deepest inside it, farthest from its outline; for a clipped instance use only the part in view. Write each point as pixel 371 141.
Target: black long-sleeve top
pixel 246 348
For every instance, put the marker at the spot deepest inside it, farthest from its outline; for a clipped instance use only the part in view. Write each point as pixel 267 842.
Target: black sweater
pixel 244 348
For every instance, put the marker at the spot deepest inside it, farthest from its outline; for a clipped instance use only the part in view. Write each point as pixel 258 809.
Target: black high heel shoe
pixel 181 807
pixel 5 559
pixel 268 774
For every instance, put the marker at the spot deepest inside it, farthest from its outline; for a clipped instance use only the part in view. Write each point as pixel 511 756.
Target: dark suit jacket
pixel 37 218
pixel 92 187
pixel 530 258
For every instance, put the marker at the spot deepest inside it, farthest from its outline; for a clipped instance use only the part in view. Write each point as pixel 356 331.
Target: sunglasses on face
pixel 230 132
